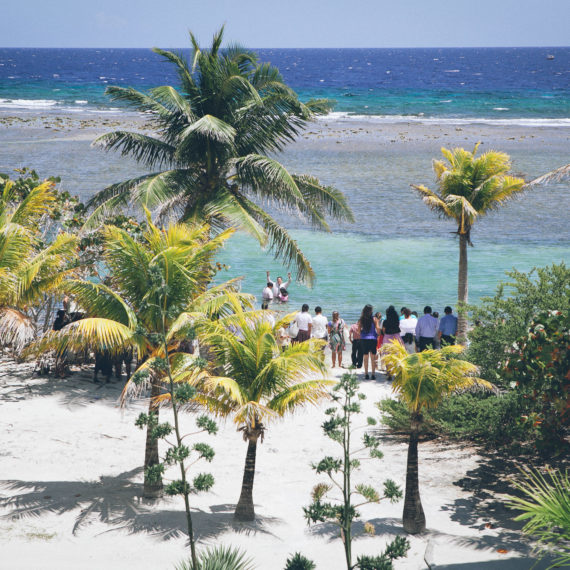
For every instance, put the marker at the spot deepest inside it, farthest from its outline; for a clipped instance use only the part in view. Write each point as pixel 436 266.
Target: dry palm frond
pixel 558 175
pixel 16 329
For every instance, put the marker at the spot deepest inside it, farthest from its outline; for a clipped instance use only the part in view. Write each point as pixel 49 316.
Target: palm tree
pixel 29 268
pixel 421 381
pixel 262 382
pixel 209 156
pixel 158 286
pixel 469 187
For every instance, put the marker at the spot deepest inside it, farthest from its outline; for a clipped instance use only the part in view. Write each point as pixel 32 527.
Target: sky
pixel 286 23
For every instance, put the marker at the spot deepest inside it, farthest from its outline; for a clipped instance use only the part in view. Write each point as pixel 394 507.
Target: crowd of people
pixel 372 331
pixel 368 335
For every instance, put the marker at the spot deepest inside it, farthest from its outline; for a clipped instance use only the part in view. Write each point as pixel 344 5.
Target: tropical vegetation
pixel 157 288
pixel 340 427
pixel 35 257
pixel 210 152
pixel 218 558
pixel 539 367
pixel 261 382
pixel 502 319
pixel 545 507
pixel 180 392
pixel 421 381
pixel 469 187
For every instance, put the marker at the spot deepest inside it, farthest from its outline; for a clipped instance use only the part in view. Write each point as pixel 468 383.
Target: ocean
pixel 394 109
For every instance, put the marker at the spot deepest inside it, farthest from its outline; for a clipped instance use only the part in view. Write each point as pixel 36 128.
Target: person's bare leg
pixel 366 364
pixel 333 354
pixel 373 358
pixel 340 358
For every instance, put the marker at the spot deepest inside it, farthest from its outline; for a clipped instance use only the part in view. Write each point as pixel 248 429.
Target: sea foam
pixel 514 121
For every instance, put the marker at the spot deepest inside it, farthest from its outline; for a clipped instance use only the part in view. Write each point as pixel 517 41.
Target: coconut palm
pixel 156 289
pixel 469 187
pixel 421 381
pixel 209 156
pixel 29 268
pixel 261 382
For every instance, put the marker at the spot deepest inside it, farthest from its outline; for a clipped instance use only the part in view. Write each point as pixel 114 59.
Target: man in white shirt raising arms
pixel 279 283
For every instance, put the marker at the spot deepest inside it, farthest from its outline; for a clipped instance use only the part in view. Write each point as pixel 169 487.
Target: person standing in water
pixel 277 285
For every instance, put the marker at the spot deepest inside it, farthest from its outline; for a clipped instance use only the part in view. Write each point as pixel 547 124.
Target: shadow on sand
pixel 117 502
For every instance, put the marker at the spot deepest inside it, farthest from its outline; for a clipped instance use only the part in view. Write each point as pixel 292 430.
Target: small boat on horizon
pixel 549 56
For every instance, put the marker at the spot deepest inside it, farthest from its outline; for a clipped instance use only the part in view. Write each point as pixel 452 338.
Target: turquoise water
pixel 353 270
pixel 397 251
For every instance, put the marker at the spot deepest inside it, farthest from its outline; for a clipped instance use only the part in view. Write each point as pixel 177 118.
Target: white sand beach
pixel 71 484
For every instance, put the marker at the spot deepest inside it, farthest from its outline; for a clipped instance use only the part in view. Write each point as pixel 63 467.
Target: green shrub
pixel 299 562
pixel 483 417
pixel 539 366
pixel 219 558
pixel 503 319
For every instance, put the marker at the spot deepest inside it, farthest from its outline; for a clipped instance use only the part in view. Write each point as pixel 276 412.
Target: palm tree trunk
pixel 244 510
pixel 413 519
pixel 462 290
pixel 153 489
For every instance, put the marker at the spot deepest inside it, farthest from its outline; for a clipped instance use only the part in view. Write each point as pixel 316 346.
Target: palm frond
pixel 558 175
pixel 99 300
pixel 281 243
pixel 147 150
pixel 268 179
pixel 103 335
pixel 16 328
pixel 322 199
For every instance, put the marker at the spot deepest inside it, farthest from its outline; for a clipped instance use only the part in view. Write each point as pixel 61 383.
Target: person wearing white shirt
pixel 408 330
pixel 267 295
pixel 319 329
pixel 304 322
pixel 276 285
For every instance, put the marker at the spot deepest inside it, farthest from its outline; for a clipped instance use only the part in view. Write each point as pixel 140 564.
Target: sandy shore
pixel 71 482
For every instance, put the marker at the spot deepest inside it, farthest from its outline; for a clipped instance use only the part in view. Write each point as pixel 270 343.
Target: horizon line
pixel 296 48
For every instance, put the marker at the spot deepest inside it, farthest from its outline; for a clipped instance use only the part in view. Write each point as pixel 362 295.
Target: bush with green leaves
pixel 539 367
pixel 218 558
pixel 501 320
pixel 487 418
pixel 340 509
pixel 299 562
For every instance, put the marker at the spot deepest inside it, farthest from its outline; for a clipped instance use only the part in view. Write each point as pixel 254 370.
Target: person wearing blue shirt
pixel 426 329
pixel 448 327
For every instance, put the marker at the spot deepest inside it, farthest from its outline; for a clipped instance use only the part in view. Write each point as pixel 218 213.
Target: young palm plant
pixel 29 268
pixel 421 381
pixel 262 382
pixel 469 187
pixel 157 289
pixel 545 506
pixel 209 158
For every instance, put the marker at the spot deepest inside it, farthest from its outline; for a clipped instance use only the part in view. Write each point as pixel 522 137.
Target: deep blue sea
pixel 463 83
pixel 517 99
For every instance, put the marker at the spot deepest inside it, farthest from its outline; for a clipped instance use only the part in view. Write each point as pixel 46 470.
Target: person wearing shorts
pixel 369 328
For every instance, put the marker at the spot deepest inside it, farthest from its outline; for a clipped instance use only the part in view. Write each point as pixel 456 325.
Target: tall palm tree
pixel 421 381
pixel 158 285
pixel 261 382
pixel 469 187
pixel 209 156
pixel 29 268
